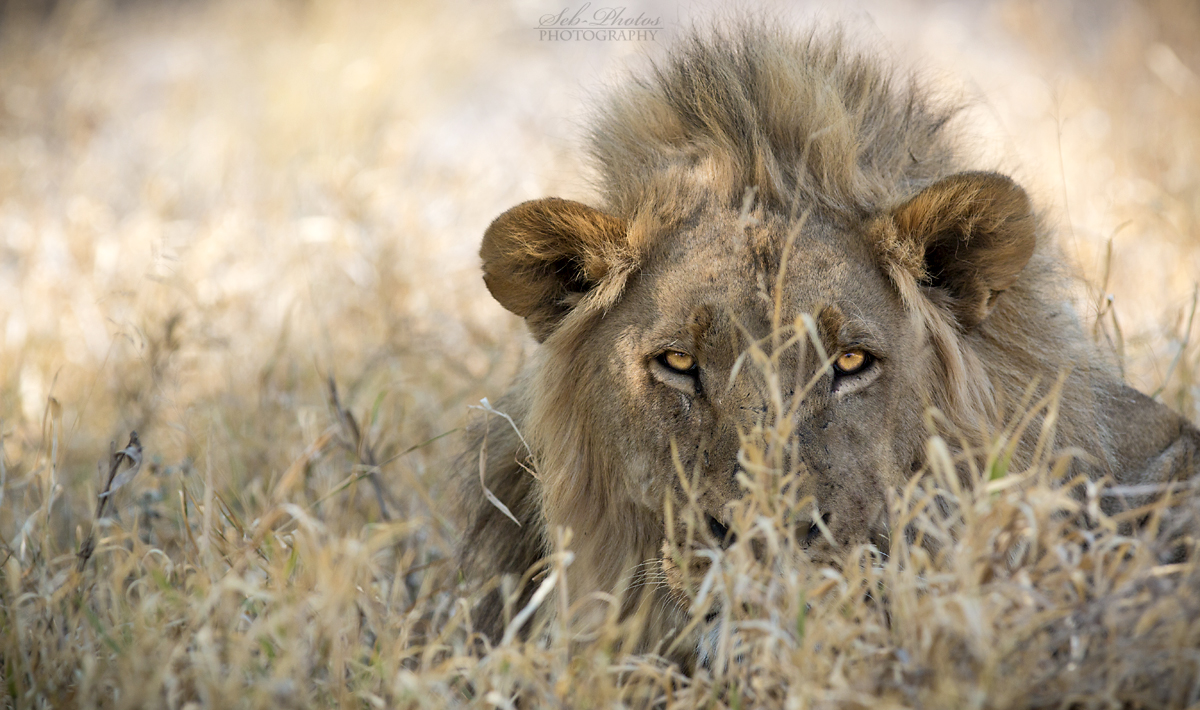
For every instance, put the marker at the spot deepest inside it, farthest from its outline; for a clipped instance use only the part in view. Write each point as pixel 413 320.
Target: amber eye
pixel 679 361
pixel 851 362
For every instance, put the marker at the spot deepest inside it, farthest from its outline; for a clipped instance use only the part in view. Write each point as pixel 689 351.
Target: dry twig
pixel 123 465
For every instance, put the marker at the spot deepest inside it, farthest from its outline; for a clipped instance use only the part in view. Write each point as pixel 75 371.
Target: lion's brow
pixel 830 320
pixel 858 331
pixel 838 329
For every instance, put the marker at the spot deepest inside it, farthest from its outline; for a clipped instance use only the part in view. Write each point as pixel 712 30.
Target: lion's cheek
pixel 645 483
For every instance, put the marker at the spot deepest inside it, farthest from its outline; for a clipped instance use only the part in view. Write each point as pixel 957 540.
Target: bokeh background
pixel 210 209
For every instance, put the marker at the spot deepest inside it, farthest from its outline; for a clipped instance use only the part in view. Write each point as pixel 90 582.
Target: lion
pixel 787 193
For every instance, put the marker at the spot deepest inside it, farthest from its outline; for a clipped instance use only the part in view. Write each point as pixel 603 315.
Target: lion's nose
pixel 814 530
pixel 720 532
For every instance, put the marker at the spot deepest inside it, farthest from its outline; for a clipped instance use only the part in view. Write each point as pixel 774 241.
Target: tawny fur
pixel 855 171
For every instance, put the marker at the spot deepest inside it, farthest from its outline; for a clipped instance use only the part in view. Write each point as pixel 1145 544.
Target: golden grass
pixel 210 212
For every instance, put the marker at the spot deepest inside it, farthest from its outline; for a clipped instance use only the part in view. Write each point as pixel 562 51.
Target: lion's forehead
pixel 748 271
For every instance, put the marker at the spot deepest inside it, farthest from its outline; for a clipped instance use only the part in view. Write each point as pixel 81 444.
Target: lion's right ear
pixel 541 256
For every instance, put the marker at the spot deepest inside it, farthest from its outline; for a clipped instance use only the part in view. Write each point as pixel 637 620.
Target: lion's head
pixel 645 335
pixel 786 236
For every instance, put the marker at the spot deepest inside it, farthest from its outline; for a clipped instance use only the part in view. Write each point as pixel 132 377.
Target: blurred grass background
pixel 209 209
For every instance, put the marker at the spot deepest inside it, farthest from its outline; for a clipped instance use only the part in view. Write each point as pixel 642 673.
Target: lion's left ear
pixel 969 235
pixel 541 256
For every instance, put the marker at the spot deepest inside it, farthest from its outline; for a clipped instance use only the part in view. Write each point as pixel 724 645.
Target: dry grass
pixel 215 216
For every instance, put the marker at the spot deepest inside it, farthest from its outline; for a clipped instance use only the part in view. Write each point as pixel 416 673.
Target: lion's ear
pixel 541 255
pixel 972 233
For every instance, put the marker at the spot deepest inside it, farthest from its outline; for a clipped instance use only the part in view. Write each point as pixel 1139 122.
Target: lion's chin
pixel 708 647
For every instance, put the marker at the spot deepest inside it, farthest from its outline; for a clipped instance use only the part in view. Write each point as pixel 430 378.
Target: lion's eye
pixel 851 361
pixel 678 361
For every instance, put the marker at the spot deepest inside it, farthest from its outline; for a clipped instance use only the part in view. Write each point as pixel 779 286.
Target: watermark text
pixel 603 24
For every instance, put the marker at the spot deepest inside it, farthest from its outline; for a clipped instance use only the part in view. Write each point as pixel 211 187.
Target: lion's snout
pixel 720 532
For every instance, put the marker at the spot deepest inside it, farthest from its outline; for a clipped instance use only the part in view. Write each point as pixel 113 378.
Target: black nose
pixel 814 531
pixel 720 532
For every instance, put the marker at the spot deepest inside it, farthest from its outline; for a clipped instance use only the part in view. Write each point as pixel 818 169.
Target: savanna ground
pixel 211 211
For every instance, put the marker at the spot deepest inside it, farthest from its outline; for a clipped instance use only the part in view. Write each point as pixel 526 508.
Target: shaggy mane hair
pixel 802 118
